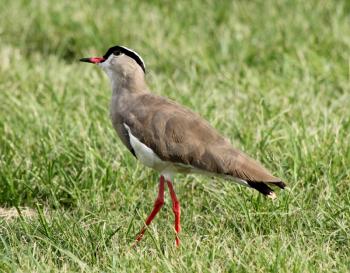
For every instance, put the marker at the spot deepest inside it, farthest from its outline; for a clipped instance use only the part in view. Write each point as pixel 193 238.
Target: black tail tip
pixel 280 184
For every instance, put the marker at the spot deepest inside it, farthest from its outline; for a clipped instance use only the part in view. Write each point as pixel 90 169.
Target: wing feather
pixel 179 135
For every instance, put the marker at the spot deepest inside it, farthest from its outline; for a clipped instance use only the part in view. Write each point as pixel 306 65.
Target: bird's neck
pixel 130 83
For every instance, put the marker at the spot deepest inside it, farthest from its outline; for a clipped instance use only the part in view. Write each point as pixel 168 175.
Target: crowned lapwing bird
pixel 169 137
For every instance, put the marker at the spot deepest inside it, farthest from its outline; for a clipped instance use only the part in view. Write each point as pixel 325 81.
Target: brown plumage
pixel 178 135
pixel 169 137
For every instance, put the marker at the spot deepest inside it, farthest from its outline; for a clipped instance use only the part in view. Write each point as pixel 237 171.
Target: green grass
pixel 273 76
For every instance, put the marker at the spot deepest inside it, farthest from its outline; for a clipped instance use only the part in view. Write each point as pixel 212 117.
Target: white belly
pixel 145 154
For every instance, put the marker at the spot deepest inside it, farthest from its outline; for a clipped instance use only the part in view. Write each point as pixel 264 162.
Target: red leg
pixel 157 206
pixel 176 210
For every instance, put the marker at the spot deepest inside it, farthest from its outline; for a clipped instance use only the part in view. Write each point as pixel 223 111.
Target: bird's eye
pixel 116 53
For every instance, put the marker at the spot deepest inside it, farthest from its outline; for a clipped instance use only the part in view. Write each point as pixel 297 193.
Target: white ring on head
pixel 138 55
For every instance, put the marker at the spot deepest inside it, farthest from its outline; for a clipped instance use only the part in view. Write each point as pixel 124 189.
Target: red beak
pixel 94 60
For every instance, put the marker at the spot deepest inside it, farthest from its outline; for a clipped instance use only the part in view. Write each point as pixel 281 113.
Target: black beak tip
pixel 85 60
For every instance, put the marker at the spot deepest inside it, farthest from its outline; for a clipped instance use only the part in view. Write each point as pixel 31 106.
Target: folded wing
pixel 179 135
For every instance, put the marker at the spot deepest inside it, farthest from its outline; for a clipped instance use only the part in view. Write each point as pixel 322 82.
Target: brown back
pixel 179 135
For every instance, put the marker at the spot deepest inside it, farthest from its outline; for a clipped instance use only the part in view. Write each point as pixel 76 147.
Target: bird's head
pixel 119 63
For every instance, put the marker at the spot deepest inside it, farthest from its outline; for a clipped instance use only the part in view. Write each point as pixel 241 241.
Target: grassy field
pixel 273 76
